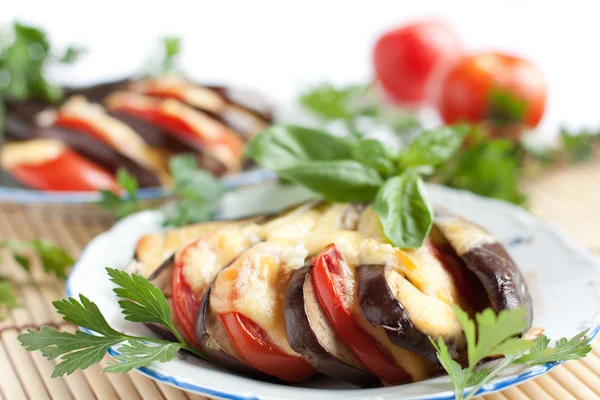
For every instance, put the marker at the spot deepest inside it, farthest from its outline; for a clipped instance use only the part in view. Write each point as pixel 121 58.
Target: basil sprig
pixel 346 169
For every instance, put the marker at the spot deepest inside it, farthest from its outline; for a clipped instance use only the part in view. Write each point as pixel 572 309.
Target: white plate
pixel 563 278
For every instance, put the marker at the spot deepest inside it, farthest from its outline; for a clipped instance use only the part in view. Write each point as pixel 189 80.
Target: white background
pixel 281 46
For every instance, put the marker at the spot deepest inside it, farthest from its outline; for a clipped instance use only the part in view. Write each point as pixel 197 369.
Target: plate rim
pixel 32 196
pixel 491 387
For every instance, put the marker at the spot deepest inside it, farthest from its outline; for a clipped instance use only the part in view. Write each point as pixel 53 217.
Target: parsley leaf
pixel 122 206
pixel 8 299
pixel 564 349
pixel 54 259
pixel 172 48
pixel 142 302
pixel 196 191
pixel 138 354
pixel 494 334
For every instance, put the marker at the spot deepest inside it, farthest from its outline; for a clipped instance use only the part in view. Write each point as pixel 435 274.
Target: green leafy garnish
pixel 504 107
pixel 195 192
pixel 8 299
pixel 498 335
pixel 172 48
pixel 141 302
pixel 54 259
pixel 122 206
pixel 347 169
pixel 165 57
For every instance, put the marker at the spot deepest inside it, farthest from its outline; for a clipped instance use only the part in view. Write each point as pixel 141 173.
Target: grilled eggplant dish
pixel 319 290
pixel 136 125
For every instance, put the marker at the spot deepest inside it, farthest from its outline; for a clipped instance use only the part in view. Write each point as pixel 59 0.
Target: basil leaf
pixel 433 147
pixel 404 210
pixel 340 181
pixel 374 154
pixel 282 146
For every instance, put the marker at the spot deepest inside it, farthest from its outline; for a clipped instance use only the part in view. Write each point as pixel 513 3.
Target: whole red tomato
pixel 406 58
pixel 492 86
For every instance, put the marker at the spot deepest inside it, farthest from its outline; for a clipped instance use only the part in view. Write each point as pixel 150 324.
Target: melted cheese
pixel 151 250
pixel 120 135
pixel 254 285
pixel 197 96
pixel 205 257
pixel 462 235
pixel 31 152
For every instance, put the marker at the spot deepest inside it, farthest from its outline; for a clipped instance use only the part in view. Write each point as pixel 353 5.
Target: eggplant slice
pixel 489 261
pixel 221 352
pixel 162 278
pixel 310 335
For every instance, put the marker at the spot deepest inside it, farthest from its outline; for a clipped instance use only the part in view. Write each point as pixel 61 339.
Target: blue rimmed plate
pixel 23 196
pixel 564 281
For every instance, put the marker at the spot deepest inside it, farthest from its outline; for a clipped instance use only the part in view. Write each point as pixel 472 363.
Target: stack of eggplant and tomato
pixel 137 125
pixel 319 289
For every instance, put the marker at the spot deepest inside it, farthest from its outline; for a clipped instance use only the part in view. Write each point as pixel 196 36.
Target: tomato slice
pixel 154 111
pixel 185 302
pixel 83 126
pixel 326 274
pixel 256 349
pixel 67 172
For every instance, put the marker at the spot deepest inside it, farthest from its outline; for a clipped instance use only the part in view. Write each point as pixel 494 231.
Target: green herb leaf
pixel 488 167
pixel 339 181
pixel 331 103
pixel 138 354
pixel 172 48
pixel 122 206
pixel 79 350
pixel 54 259
pixel 372 153
pixel 404 210
pixel 434 147
pixel 8 299
pixel 460 377
pixel 192 183
pixel 495 334
pixel 282 146
pixel 143 302
pixel 72 54
pixel 565 349
pixel 578 146
pixel 505 107
pixel 84 313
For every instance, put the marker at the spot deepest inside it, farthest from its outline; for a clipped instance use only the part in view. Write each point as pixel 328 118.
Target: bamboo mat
pixel 569 197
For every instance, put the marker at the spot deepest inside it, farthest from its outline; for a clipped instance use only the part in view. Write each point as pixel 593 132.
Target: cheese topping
pixel 254 285
pixel 197 96
pixel 203 259
pixel 118 134
pixel 31 152
pixel 463 236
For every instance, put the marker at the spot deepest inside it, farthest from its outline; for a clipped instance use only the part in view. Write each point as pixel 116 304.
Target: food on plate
pixel 139 124
pixel 407 59
pixel 50 165
pixel 319 289
pixel 493 86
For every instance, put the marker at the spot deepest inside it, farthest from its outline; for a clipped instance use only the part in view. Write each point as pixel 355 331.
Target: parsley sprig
pixel 141 301
pixel 194 193
pixel 54 260
pixel 494 334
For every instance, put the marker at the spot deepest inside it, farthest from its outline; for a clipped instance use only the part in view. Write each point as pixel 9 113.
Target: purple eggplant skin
pixel 161 278
pixel 381 308
pixel 98 92
pixel 211 349
pixel 489 261
pixel 500 277
pixel 247 100
pixel 305 342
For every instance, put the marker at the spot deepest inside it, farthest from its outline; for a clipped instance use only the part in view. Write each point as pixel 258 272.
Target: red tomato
pixel 406 59
pixel 256 349
pixel 185 302
pixel 326 272
pixel 67 172
pixel 470 89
